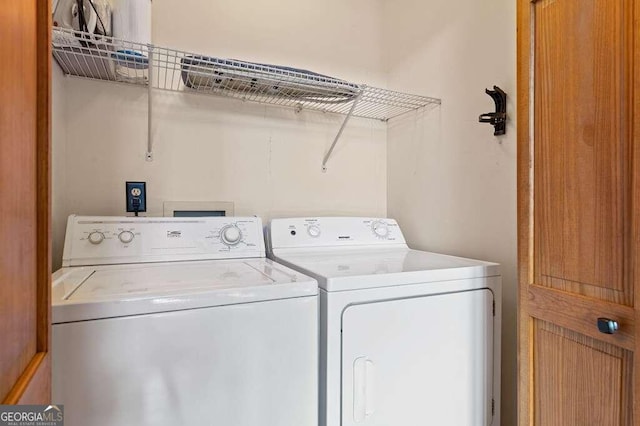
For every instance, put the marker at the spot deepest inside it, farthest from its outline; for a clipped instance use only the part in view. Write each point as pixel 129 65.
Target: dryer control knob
pixel 313 231
pixel 96 237
pixel 380 229
pixel 231 235
pixel 126 237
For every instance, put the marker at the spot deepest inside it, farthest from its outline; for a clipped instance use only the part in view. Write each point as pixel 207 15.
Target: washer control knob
pixel 231 235
pixel 126 237
pixel 381 229
pixel 96 237
pixel 314 231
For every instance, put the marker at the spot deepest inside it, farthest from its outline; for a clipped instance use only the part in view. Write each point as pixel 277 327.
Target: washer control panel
pixel 334 231
pixel 107 240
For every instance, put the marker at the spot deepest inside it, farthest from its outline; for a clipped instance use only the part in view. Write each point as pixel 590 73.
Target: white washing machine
pixel 181 321
pixel 406 337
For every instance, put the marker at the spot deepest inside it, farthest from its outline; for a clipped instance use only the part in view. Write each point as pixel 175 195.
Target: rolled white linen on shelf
pixel 132 20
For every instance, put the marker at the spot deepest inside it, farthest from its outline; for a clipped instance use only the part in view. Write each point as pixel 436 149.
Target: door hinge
pixel 493 407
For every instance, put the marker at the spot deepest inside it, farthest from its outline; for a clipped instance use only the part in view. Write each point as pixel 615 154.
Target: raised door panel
pixel 24 201
pixel 425 360
pixel 579 380
pixel 18 194
pixel 582 131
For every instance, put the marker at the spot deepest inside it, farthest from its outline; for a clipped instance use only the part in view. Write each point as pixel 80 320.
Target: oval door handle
pixel 363 389
pixel 608 326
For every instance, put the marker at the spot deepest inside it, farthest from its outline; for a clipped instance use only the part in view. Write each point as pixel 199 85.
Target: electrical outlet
pixel 136 197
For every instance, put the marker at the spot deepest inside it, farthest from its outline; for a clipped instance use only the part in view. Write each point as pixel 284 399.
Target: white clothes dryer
pixel 181 321
pixel 407 337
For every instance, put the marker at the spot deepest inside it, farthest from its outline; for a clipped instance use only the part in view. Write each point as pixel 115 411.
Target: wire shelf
pixel 110 59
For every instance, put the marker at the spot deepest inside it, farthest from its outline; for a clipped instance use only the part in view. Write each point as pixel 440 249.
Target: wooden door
pixel 25 372
pixel 578 213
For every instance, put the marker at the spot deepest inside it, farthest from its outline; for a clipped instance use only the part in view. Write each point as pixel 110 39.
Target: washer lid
pixel 82 293
pixel 350 269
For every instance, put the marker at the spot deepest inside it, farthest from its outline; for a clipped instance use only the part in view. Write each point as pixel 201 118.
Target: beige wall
pixel 451 183
pixel 336 37
pixel 266 160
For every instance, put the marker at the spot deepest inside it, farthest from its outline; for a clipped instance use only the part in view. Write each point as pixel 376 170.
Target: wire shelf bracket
pixel 149 154
pixel 104 58
pixel 335 140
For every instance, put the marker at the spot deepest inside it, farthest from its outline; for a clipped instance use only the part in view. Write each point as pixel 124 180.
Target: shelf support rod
pixel 149 155
pixel 344 124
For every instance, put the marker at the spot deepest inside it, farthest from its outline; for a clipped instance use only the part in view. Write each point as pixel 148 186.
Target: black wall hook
pixel 499 118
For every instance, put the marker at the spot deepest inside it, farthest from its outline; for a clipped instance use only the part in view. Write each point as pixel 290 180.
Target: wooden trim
pixel 634 253
pixel 580 314
pixel 525 323
pixel 44 175
pixel 38 391
pixel 35 378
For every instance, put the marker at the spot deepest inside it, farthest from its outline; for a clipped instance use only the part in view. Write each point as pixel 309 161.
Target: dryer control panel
pixel 334 231
pixel 99 240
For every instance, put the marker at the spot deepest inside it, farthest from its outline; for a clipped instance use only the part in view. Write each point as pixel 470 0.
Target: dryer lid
pixel 349 269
